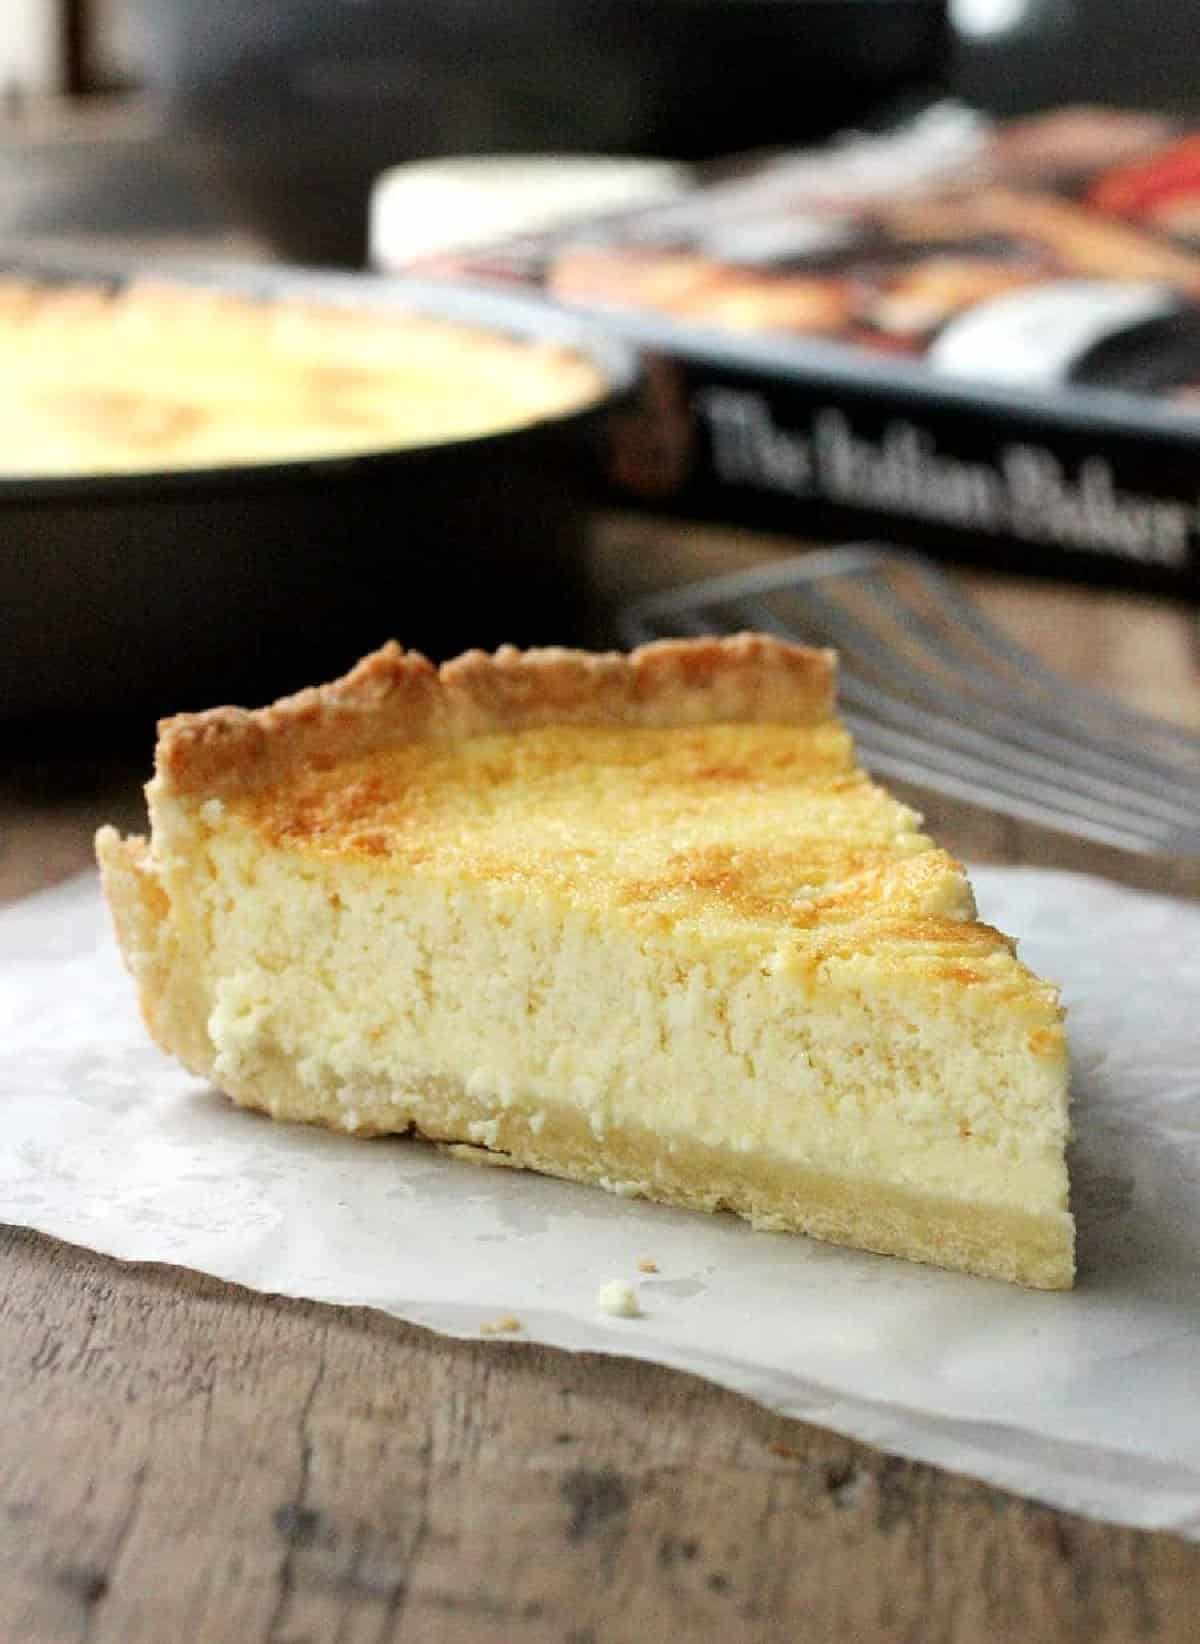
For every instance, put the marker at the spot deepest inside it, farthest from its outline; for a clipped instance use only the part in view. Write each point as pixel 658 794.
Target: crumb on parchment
pixel 647 1265
pixel 619 1298
pixel 505 1325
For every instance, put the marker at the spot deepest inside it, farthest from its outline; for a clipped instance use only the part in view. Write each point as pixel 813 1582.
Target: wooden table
pixel 186 1462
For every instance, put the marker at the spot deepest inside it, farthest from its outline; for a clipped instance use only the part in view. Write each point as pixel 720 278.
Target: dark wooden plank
pixel 184 1460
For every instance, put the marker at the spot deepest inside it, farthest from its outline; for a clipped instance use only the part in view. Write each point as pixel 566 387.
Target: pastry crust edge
pixel 394 696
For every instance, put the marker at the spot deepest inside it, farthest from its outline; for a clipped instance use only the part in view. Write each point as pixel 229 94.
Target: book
pixel 981 339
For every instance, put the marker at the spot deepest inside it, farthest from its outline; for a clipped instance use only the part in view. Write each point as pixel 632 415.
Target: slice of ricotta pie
pixel 634 920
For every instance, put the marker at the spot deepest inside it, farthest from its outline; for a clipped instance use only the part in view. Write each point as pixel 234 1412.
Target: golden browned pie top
pixel 701 784
pixel 748 825
pixel 157 376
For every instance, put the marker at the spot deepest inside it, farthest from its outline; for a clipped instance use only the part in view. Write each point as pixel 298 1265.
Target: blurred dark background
pixel 281 112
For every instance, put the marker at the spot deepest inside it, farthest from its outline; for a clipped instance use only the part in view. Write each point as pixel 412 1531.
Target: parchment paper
pixel 1089 1401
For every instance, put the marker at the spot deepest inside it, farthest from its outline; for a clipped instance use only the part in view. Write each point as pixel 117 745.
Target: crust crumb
pixel 619 1299
pixel 505 1325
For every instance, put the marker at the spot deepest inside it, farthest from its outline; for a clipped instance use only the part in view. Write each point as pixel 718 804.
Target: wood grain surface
pixel 186 1462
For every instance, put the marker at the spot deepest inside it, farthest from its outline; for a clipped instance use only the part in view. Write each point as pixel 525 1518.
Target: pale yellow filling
pixel 154 379
pixel 358 985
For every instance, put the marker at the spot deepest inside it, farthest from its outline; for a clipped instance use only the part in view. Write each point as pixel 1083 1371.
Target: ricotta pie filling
pixel 156 376
pixel 635 921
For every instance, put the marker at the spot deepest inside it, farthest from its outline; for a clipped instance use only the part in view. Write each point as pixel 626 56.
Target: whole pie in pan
pixel 638 921
pixel 153 376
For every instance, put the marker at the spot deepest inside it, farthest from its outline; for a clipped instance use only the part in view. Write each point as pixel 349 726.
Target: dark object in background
pixel 1139 55
pixel 130 595
pixel 996 359
pixel 308 100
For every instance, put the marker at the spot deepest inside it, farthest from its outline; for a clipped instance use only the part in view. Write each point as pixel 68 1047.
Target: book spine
pixel 965 482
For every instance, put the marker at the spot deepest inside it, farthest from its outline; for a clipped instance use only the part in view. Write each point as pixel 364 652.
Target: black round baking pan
pixel 130 595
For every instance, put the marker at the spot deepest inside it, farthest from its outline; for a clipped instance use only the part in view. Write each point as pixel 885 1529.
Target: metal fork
pixel 935 694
